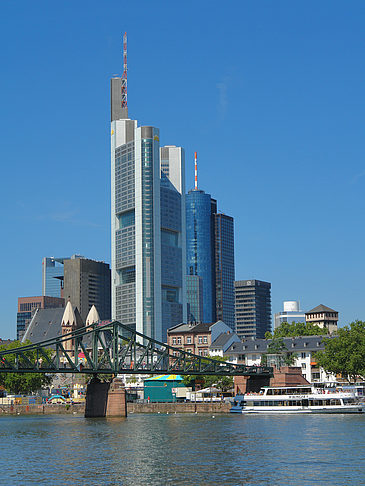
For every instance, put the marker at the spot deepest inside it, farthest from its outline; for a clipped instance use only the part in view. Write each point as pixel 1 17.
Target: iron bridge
pixel 114 348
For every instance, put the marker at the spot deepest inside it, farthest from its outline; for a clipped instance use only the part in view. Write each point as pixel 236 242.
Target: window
pixel 173 340
pixel 304 355
pixel 200 352
pixel 188 340
pixel 205 340
pixel 303 366
pixel 205 352
pixel 200 340
pixel 179 340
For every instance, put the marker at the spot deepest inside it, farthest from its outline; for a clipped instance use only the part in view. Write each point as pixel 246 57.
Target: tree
pixel 23 383
pixel 296 329
pixel 345 353
pixel 277 347
pixel 224 383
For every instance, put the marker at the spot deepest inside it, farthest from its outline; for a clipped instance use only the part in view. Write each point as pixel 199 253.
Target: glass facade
pixel 52 276
pixel 194 295
pixel 199 251
pixel 224 269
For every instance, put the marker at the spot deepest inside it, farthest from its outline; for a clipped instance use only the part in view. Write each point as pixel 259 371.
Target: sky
pixel 270 95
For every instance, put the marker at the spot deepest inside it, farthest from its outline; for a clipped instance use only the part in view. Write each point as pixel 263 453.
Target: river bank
pixel 167 407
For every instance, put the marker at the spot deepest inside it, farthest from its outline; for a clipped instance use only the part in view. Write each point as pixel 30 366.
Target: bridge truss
pixel 114 348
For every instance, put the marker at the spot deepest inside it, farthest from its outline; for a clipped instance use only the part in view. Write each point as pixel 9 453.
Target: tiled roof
pixel 320 308
pixel 297 344
pixel 193 328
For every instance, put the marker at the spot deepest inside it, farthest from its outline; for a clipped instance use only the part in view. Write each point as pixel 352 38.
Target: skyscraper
pixel 52 275
pixel 148 231
pixel 252 308
pixel 224 268
pixel 210 255
pixel 200 246
pixel 87 283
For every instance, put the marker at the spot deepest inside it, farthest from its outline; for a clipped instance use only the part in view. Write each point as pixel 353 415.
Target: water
pixel 181 449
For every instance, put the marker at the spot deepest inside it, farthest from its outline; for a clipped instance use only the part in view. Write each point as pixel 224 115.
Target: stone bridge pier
pixel 106 399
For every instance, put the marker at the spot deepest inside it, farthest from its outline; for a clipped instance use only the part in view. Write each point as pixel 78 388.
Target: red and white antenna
pixel 124 75
pixel 196 170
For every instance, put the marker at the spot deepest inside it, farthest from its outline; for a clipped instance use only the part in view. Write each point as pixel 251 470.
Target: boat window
pixel 256 404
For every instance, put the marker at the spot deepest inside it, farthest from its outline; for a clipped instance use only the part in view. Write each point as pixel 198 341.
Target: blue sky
pixel 270 95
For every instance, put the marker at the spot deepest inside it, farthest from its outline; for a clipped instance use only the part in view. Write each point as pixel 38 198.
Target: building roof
pixel 296 344
pixel 320 308
pixel 165 378
pixel 69 318
pixel 221 340
pixel 201 327
pixel 46 324
pixel 93 316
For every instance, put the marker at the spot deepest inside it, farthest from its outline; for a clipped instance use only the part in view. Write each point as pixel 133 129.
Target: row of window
pixel 189 340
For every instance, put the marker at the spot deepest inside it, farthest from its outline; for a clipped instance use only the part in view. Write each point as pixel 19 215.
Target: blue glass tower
pixel 199 251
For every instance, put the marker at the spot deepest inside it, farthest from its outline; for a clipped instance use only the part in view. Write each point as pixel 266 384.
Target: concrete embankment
pixel 172 407
pixel 41 409
pixel 167 407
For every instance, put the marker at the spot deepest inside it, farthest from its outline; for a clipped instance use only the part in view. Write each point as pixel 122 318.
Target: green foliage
pixel 224 383
pixel 23 383
pixel 345 353
pixel 296 329
pixel 277 347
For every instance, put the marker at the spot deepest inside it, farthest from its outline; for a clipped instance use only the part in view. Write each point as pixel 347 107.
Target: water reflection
pixel 183 449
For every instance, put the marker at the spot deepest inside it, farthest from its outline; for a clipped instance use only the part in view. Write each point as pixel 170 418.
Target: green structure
pixel 162 388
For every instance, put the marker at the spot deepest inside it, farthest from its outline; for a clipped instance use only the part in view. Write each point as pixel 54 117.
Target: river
pixel 174 449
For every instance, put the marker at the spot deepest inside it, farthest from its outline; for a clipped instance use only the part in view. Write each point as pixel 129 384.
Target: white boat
pixel 296 399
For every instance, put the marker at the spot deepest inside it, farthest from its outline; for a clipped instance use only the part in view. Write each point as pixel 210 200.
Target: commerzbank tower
pixel 147 222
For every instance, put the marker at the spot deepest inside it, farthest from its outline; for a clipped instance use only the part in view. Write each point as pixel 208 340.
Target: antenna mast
pixel 124 75
pixel 196 170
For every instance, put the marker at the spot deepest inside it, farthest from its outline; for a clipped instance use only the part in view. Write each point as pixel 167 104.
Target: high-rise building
pixel 173 236
pixel 224 268
pixel 27 307
pixel 252 308
pixel 210 255
pixel 52 275
pixel 148 230
pixel 291 313
pixel 194 297
pixel 200 246
pixel 87 283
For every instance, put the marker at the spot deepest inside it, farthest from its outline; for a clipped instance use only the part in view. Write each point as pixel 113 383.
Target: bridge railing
pixel 114 348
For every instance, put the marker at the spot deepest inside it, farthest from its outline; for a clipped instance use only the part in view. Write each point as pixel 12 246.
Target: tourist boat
pixel 296 399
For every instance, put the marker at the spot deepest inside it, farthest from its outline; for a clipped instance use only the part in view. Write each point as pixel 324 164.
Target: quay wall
pixel 167 407
pixel 178 407
pixel 42 409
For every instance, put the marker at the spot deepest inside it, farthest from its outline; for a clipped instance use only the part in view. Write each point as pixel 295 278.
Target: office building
pixel 210 255
pixel 200 246
pixel 252 308
pixel 52 275
pixel 87 283
pixel 28 305
pixel 148 230
pixel 324 317
pixel 291 313
pixel 224 273
pixel 194 297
